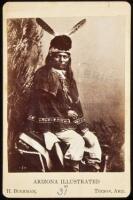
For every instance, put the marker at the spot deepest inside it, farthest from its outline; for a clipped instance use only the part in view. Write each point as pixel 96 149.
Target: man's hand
pixel 72 114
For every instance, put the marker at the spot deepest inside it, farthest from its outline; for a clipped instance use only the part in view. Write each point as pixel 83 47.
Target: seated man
pixel 55 108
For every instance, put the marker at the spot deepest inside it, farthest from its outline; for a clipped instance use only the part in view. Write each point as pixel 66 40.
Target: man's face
pixel 61 60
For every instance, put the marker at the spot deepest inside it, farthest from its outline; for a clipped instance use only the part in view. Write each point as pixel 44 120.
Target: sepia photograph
pixel 66 98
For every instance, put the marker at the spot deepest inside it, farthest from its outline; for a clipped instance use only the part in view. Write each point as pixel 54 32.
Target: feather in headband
pixel 61 42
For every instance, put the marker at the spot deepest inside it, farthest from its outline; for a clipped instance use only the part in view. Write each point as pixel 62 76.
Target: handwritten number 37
pixel 63 190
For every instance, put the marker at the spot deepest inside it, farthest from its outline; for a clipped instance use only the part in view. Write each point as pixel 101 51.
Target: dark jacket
pixel 49 104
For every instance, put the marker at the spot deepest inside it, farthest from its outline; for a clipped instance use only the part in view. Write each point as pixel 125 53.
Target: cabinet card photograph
pixel 66 99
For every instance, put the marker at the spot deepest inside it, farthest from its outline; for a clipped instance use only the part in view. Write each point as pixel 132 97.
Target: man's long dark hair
pixel 69 73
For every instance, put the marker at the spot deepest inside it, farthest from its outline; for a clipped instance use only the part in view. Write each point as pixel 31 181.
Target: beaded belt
pixel 48 119
pixel 54 119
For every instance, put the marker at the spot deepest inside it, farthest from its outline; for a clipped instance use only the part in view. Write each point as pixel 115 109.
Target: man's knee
pixel 77 146
pixel 91 138
pixel 77 139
